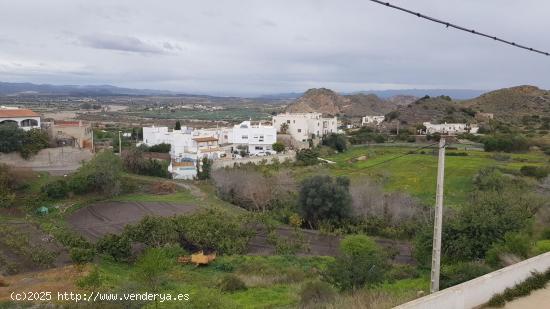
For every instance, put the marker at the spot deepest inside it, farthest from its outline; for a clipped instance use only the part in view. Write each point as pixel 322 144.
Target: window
pixel 259 148
pixel 288 121
pixel 299 130
pixel 244 137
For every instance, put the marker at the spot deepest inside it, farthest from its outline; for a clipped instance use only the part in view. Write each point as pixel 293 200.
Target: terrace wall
pixel 221 163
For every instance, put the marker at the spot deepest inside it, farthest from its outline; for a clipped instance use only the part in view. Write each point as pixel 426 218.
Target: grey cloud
pixel 120 43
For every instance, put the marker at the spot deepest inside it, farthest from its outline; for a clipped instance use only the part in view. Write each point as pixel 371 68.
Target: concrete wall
pixel 50 159
pixel 221 163
pixel 478 291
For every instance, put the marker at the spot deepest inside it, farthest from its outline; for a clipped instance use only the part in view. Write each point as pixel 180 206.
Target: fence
pixel 478 291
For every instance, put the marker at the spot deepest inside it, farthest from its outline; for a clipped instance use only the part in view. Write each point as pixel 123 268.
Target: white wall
pixel 301 126
pixel 478 291
pixel 20 122
pixel 258 138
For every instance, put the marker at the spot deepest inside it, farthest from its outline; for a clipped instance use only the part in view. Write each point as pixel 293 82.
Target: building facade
pixel 303 126
pixel 450 128
pixel 372 120
pixel 26 119
pixel 76 133
pixel 258 138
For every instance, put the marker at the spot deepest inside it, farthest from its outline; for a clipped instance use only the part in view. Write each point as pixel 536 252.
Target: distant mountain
pixel 329 102
pixel 457 94
pixel 98 90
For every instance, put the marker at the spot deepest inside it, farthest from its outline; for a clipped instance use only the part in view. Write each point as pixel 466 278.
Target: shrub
pixel 93 280
pixel 209 298
pixel 56 190
pixel 360 264
pixel 116 246
pixel 152 231
pixel 335 141
pixel 102 174
pixel 461 272
pixel 82 255
pixel 517 244
pixel 278 147
pixel 27 143
pixel 307 157
pixel 505 143
pixel 535 282
pixel 402 271
pixel 316 292
pixel 324 198
pixel 231 283
pixel 534 171
pixel 212 229
pixel 162 148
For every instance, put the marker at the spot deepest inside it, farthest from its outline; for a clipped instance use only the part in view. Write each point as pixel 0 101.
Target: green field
pixel 416 173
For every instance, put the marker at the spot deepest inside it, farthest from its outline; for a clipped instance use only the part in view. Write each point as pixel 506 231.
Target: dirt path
pixel 537 299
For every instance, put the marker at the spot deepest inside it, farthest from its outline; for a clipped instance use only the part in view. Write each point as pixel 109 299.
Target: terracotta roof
pixel 205 139
pixel 16 113
pixel 174 163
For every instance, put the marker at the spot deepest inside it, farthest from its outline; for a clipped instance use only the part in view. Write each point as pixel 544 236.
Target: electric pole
pixel 119 144
pixel 438 219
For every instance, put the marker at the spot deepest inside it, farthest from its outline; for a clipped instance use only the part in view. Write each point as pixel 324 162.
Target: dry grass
pixel 54 280
pixel 364 299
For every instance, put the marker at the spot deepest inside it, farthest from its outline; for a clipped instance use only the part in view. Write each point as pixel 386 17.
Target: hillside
pixel 437 110
pixel 329 102
pixel 512 103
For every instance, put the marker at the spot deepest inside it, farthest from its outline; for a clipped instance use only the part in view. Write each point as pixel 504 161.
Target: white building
pixel 450 128
pixel 257 137
pixel 372 120
pixel 303 126
pixel 187 148
pixel 23 118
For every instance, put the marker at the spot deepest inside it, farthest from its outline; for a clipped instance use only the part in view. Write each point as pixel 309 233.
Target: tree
pixel 153 231
pixel 361 264
pixel 204 168
pixel 34 141
pixel 324 198
pixel 279 147
pixel 178 125
pixel 7 196
pixel 307 157
pixel 284 128
pixel 102 174
pixel 117 246
pixel 162 148
pixel 335 141
pixel 11 138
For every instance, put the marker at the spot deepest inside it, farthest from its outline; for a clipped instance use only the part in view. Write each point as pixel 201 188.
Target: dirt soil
pixel 12 261
pixel 316 243
pixel 99 219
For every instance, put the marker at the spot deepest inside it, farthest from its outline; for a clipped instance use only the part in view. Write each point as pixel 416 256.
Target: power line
pixel 396 157
pixel 471 31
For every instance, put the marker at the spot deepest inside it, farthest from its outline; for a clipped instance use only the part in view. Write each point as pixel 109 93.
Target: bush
pixel 317 292
pixel 518 244
pixel 324 198
pixel 537 172
pixel 361 264
pixel 116 246
pixel 82 255
pixel 402 271
pixel 56 190
pixel 279 147
pixel 231 283
pixel 461 272
pixel 335 141
pixel 153 231
pixel 162 148
pixel 214 230
pixel 506 143
pixel 307 157
pixel 27 143
pixel 102 174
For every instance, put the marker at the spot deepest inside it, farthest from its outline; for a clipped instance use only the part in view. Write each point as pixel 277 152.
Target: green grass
pixel 416 173
pixel 183 196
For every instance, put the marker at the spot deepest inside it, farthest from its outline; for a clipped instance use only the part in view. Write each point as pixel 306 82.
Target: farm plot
pixel 99 219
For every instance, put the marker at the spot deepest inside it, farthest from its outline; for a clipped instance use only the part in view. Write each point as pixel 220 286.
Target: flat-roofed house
pixel 26 119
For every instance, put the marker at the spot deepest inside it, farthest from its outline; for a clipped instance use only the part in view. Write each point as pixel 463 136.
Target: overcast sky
pixel 259 47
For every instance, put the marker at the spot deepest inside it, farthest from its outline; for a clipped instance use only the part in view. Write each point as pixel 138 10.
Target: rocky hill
pixel 329 102
pixel 438 110
pixel 512 103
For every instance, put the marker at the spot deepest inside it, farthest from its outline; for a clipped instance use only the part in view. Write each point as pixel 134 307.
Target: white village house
pixel 258 138
pixel 26 119
pixel 303 126
pixel 372 120
pixel 189 146
pixel 450 128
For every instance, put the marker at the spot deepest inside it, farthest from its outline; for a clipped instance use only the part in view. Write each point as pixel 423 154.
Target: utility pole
pixel 119 144
pixel 438 219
